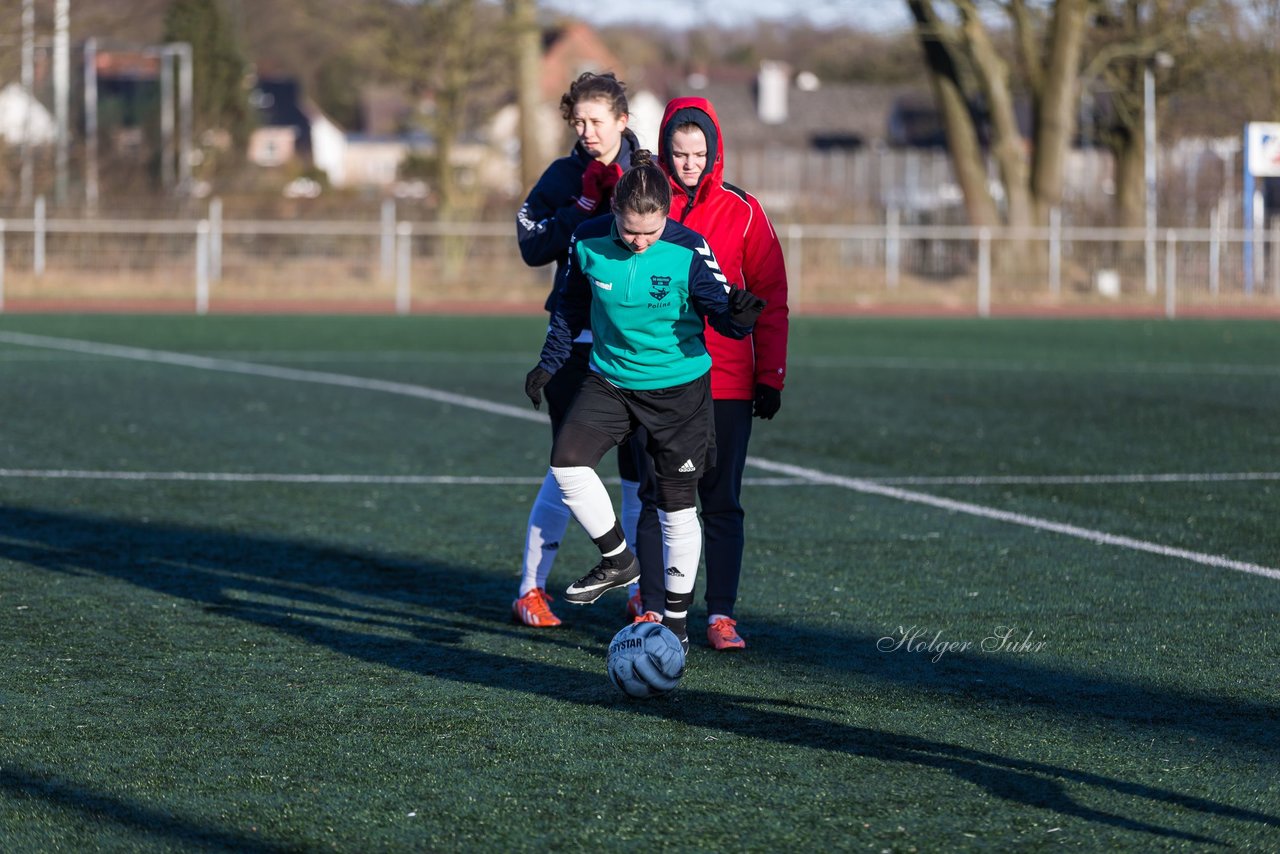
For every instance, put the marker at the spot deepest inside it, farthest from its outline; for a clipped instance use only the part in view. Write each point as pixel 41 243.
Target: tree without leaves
pixel 966 69
pixel 1061 48
pixel 523 18
pixel 219 74
pixel 1196 36
pixel 454 54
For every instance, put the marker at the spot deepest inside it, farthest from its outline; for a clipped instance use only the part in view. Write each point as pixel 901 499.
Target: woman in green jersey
pixel 646 285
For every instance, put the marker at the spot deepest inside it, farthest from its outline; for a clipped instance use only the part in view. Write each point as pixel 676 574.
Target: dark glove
pixel 533 384
pixel 768 401
pixel 744 307
pixel 597 184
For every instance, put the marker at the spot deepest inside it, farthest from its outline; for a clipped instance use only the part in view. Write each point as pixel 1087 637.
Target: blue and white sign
pixel 1263 149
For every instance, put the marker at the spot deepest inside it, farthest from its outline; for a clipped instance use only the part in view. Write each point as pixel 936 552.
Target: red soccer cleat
pixel 722 634
pixel 532 609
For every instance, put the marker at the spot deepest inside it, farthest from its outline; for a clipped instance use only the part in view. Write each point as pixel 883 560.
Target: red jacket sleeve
pixel 765 275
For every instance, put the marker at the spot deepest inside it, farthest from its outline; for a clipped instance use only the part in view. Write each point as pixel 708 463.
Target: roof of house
pixel 569 50
pixel 838 115
pixel 126 65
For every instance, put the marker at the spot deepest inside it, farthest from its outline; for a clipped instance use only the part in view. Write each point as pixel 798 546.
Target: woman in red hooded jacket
pixel 746 376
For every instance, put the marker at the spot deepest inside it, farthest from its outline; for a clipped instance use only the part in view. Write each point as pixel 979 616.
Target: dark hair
pixel 602 87
pixel 643 189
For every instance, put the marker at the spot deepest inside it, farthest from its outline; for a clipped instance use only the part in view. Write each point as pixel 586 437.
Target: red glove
pixel 612 173
pixel 597 184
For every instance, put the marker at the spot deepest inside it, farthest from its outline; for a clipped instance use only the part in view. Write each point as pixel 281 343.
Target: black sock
pixel 611 544
pixel 676 617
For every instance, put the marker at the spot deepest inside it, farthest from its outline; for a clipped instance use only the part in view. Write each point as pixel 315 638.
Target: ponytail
pixel 643 189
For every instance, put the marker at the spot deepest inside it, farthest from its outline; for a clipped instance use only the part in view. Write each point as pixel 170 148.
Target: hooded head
pixel 680 113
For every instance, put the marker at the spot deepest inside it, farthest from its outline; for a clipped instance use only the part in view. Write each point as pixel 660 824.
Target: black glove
pixel 533 384
pixel 744 307
pixel 768 401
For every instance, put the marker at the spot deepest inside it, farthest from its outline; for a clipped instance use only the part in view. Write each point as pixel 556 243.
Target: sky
pixel 876 15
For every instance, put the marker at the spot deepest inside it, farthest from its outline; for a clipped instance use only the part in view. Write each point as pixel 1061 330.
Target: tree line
pixel 460 59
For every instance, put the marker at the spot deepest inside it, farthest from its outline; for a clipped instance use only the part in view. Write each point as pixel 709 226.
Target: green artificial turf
pixel 328 661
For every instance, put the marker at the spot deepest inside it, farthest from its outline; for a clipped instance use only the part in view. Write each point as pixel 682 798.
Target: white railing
pixel 403 266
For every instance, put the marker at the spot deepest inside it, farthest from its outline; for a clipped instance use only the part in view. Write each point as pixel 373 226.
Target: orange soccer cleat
pixel 533 609
pixel 722 635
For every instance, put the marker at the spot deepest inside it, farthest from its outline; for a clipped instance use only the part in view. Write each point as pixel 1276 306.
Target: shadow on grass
pixel 361 604
pixel 1014 681
pixel 64 795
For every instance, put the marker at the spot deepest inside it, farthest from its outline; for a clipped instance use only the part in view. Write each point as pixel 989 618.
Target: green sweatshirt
pixel 645 309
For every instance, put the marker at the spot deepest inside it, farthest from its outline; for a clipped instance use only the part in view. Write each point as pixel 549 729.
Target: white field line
pixel 230 366
pixel 883 362
pixel 338 479
pixel 1101 537
pixel 425 479
pixel 254 477
pixel 856 484
pixel 1078 479
pixel 362 357
pixel 994 365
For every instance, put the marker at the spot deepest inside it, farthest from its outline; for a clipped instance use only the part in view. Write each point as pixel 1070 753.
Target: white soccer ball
pixel 645 660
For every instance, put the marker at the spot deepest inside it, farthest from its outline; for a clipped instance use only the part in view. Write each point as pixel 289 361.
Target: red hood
pixel 699 110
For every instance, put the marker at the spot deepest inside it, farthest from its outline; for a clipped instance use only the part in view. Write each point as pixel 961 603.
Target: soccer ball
pixel 645 660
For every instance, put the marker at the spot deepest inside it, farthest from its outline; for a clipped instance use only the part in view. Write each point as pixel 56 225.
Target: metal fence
pixel 405 266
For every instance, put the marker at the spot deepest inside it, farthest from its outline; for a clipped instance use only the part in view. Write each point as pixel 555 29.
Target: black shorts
pixel 564 384
pixel 563 388
pixel 678 421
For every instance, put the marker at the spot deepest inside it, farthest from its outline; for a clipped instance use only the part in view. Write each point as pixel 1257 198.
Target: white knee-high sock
pixel 587 499
pixel 548 521
pixel 681 550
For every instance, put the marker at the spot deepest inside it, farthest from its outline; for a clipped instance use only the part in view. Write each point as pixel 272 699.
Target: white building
pixel 24 119
pixel 328 147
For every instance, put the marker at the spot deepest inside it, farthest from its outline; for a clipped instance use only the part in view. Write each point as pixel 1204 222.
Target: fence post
pixel 388 239
pixel 1275 258
pixel 795 257
pixel 1055 251
pixel 38 248
pixel 984 272
pixel 1258 239
pixel 215 240
pixel 2 264
pixel 891 249
pixel 202 267
pixel 1149 252
pixel 1215 248
pixel 1170 274
pixel 404 235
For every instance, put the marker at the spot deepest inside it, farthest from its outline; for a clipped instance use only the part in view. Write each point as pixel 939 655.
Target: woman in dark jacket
pixel 573 189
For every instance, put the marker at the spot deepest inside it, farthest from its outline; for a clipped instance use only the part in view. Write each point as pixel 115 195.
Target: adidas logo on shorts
pixel 687 467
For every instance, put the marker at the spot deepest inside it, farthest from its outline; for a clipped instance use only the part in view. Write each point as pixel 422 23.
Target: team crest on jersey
pixel 661 287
